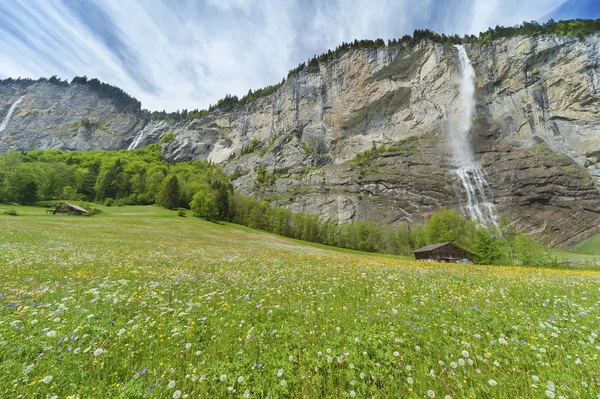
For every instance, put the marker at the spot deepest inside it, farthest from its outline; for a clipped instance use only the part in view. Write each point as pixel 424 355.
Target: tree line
pixel 143 177
pixel 575 28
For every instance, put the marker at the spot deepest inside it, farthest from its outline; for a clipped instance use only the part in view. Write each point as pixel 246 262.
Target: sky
pixel 177 54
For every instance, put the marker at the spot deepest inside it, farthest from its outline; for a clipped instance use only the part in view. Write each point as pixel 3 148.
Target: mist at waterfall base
pixel 478 205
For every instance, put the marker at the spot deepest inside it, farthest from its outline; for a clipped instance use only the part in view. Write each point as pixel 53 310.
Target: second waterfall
pixel 477 202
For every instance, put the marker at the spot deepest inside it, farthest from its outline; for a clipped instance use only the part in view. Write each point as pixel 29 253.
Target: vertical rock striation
pixel 367 135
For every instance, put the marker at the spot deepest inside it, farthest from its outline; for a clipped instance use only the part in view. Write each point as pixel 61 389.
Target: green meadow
pixel 138 302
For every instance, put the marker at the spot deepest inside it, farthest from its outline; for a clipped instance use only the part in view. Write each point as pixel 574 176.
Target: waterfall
pixel 478 206
pixel 136 141
pixel 140 136
pixel 11 110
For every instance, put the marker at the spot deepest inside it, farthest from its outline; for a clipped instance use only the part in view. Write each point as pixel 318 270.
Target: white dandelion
pixel 240 379
pixel 98 352
pixel 171 384
pixel 177 394
pixel 223 378
pixel 492 383
pixel 431 394
pixel 47 379
pixel 283 383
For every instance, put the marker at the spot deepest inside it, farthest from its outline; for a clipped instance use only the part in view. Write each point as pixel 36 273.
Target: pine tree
pixel 169 196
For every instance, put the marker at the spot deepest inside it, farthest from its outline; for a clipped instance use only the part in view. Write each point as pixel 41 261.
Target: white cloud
pixel 187 54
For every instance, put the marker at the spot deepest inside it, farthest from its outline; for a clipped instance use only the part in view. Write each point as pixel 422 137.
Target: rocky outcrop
pixel 536 133
pixel 63 116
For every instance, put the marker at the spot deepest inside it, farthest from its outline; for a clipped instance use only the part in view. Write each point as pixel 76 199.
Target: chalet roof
pixel 431 247
pixel 78 208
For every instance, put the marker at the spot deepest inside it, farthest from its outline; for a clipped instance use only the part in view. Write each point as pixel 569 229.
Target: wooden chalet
pixel 444 252
pixel 64 208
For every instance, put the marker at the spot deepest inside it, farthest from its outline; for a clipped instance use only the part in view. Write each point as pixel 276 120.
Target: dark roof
pixel 77 208
pixel 431 247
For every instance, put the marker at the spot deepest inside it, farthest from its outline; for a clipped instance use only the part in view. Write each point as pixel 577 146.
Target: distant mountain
pixel 365 133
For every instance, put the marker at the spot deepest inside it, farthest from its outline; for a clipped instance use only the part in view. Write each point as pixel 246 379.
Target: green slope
pixel 140 303
pixel 591 246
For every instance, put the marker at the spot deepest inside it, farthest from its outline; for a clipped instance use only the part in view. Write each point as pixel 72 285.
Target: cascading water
pixel 11 110
pixel 478 206
pixel 140 136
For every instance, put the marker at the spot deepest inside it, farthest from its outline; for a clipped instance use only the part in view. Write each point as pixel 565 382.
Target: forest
pixel 143 177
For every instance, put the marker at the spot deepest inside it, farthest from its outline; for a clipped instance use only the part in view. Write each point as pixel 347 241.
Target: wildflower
pixel 47 379
pixel 283 383
pixel 90 316
pixel 502 341
pixel 492 383
pixel 410 380
pixel 396 354
pixel 240 379
pixel 356 339
pixel 280 373
pixel 431 394
pixel 291 358
pixel 352 394
pixel 188 345
pixel 98 352
pixel 550 394
pixel 171 384
pixel 223 377
pixel 177 394
pixel 417 348
pixel 535 378
pixel 550 385
pixel 246 394
pixel 51 333
pixel 198 353
pixel 447 397
pixel 465 353
pixel 142 371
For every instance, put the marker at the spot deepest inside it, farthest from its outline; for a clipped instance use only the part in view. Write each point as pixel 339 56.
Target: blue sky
pixel 175 54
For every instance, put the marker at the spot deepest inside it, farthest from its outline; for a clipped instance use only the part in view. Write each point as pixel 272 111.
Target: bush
pixel 11 212
pixel 108 202
pixel 181 213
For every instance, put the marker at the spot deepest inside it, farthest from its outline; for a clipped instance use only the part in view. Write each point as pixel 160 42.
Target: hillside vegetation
pixel 143 177
pixel 138 302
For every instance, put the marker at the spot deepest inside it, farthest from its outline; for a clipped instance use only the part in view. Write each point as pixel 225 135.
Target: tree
pixel 487 248
pixel 169 196
pixel 449 226
pixel 204 204
pixel 27 193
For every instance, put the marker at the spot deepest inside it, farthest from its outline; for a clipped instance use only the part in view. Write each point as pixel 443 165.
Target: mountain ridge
pixel 534 133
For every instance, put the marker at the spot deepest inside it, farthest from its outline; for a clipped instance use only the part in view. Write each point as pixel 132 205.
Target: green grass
pixel 132 301
pixel 591 246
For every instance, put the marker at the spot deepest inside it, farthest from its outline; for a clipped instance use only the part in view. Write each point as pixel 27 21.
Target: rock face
pixel 536 133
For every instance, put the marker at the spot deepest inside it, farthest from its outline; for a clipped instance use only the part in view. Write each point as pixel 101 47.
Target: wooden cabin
pixel 444 252
pixel 64 208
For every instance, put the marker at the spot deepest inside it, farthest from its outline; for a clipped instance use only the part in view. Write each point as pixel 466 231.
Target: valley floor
pixel 139 303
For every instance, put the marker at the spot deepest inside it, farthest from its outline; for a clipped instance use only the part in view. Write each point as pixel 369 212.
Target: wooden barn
pixel 64 208
pixel 444 252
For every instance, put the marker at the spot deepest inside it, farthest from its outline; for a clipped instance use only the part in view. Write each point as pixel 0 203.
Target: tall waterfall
pixel 140 136
pixel 478 206
pixel 11 110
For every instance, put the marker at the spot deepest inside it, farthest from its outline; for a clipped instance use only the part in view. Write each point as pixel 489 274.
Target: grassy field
pixel 140 303
pixel 591 246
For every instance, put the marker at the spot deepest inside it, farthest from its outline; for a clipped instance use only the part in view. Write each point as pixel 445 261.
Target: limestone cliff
pixel 536 133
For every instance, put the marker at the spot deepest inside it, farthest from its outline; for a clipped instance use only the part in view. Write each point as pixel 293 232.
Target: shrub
pixel 11 212
pixel 181 213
